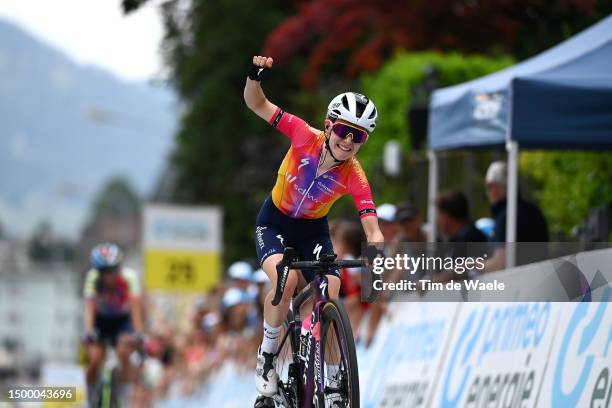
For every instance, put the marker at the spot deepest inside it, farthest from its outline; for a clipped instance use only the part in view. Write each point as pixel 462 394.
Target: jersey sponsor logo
pixel 268 253
pixel 367 211
pixel 333 179
pixel 305 161
pixel 290 178
pixel 317 251
pixel 324 188
pixel 281 239
pixel 259 232
pixel 278 118
pixel 309 196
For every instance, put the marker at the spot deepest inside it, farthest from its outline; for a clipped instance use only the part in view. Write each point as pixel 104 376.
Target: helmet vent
pixel 373 114
pixel 360 108
pixel 345 102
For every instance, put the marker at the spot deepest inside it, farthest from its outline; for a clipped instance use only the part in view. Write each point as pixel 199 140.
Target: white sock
pixel 269 344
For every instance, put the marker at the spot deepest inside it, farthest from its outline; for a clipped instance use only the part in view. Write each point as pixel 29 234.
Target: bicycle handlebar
pixel 290 261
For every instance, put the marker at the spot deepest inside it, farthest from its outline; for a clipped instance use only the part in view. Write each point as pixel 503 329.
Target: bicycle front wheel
pixel 287 367
pixel 341 375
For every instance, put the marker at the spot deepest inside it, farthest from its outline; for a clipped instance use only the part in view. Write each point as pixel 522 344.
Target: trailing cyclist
pixel 113 312
pixel 318 169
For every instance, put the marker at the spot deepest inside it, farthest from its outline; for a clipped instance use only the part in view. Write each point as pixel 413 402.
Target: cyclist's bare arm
pixel 373 235
pixel 372 230
pixel 90 311
pixel 136 314
pixel 253 93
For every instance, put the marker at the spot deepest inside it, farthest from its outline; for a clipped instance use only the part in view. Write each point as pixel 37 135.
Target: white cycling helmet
pixel 354 108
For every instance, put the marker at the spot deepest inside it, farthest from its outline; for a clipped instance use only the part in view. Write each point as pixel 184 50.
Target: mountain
pixel 65 129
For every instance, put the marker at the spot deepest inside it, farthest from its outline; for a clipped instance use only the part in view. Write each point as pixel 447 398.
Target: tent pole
pixel 511 202
pixel 432 193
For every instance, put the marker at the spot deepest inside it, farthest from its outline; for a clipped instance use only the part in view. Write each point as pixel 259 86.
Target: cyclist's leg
pixel 269 245
pixel 96 352
pixel 275 315
pixel 126 345
pixel 95 359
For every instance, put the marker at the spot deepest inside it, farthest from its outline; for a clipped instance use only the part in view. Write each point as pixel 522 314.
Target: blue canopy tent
pixel 559 99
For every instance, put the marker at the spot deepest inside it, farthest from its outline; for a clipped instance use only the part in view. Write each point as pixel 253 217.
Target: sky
pixel 95 32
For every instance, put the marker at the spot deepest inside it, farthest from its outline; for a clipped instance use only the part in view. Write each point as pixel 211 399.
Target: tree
pixel 569 185
pixel 225 155
pixel 358 36
pixel 118 200
pixel 41 243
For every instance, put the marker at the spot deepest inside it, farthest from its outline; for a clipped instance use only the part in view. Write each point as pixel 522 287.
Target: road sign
pixel 184 271
pixel 182 248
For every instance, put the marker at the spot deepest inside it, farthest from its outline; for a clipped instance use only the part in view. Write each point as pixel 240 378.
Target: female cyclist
pixel 319 168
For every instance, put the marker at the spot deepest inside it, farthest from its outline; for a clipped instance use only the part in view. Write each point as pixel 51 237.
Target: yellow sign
pixel 181 271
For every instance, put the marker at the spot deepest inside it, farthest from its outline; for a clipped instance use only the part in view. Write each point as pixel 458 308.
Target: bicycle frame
pixel 312 375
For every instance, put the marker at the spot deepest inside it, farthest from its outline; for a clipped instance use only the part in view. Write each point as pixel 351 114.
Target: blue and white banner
pixel 406 358
pixel 580 364
pixel 497 356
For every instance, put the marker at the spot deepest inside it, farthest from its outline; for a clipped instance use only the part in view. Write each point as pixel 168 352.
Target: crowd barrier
pixel 497 354
pixel 476 355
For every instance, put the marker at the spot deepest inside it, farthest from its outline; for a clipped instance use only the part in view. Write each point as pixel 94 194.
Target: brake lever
pixel 282 271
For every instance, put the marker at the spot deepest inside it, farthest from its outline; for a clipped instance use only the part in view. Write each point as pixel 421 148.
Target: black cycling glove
pixel 257 73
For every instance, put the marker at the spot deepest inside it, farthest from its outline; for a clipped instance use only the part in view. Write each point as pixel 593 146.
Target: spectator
pixel 241 273
pixel 408 230
pixel 454 222
pixel 347 238
pixel 486 226
pixel 530 223
pixel 262 282
pixel 386 221
pixel 239 333
pixel 409 222
pixel 454 218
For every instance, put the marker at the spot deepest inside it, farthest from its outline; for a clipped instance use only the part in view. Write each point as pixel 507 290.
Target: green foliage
pixel 225 154
pixel 392 90
pixel 45 247
pixel 570 183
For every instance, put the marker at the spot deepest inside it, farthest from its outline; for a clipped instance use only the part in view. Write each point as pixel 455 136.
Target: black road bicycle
pixel 318 367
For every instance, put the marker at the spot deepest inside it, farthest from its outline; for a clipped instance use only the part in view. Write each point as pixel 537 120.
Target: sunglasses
pixel 342 130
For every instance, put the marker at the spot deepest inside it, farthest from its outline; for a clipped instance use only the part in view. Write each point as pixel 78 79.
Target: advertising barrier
pixel 497 356
pixel 580 364
pixel 477 355
pixel 406 359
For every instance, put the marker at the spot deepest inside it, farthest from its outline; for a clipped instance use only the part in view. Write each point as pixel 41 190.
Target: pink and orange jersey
pixel 299 192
